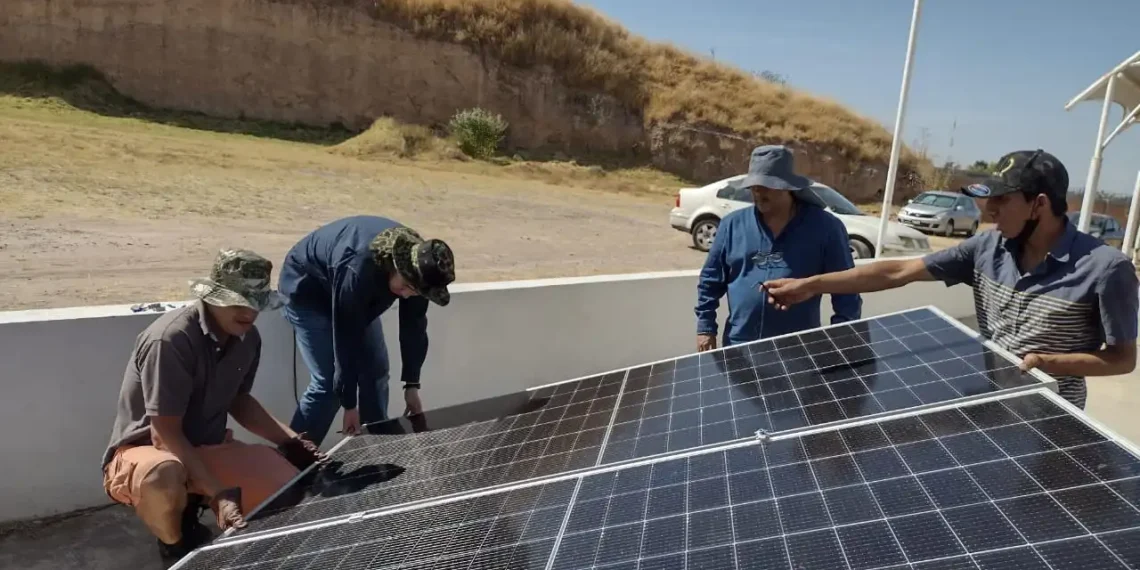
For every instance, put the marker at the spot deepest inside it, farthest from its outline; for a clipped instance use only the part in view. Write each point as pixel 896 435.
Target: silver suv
pixel 946 213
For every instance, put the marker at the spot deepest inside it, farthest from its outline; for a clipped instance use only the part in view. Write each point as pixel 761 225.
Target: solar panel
pixel 506 529
pixel 376 471
pixel 1014 483
pixel 682 430
pixel 906 360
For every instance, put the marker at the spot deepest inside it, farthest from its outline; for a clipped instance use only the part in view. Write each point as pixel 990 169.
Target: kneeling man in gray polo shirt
pixel 1061 300
pixel 189 369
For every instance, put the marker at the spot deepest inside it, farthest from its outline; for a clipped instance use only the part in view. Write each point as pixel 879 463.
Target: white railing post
pixel 896 143
pixel 1088 201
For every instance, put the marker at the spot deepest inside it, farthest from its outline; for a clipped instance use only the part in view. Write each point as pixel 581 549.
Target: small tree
pixel 478 132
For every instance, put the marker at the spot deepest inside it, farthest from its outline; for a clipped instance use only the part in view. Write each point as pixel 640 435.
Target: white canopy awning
pixel 1125 92
pixel 1121 85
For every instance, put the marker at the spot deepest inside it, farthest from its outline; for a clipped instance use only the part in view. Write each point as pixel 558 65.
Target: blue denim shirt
pixel 331 269
pixel 745 254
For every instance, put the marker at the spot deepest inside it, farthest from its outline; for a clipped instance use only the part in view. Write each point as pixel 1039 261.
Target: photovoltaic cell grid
pixel 506 530
pixel 563 435
pixel 885 364
pixel 849 371
pixel 1015 483
pixel 882 365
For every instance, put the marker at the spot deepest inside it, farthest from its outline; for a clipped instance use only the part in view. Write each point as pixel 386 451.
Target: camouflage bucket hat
pixel 239 278
pixel 427 265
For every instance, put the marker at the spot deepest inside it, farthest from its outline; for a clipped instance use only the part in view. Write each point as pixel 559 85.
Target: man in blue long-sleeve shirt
pixel 787 234
pixel 338 280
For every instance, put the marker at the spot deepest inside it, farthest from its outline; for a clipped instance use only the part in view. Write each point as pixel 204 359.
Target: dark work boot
pixel 194 534
pixel 172 553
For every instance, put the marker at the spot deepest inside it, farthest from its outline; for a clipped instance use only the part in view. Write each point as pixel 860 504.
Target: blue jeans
pixel 319 404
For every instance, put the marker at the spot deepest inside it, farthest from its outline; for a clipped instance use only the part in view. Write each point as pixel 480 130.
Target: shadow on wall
pixel 86 88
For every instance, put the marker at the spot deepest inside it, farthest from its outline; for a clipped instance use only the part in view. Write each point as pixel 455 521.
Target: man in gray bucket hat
pixel 788 233
pixel 170 449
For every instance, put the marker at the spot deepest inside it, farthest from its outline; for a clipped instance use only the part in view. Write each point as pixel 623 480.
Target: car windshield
pixel 837 202
pixel 936 200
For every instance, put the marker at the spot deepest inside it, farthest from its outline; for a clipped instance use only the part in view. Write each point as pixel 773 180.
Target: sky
pixel 1003 69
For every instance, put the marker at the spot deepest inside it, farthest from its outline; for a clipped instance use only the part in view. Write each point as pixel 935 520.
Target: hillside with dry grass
pixel 572 85
pixel 591 52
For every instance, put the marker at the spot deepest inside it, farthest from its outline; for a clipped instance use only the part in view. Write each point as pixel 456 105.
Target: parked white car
pixel 698 211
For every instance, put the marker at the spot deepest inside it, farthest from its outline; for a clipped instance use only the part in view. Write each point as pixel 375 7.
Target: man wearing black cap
pixel 338 281
pixel 1061 300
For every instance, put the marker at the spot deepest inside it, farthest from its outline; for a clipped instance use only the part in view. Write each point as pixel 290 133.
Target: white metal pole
pixel 1088 201
pixel 896 143
pixel 1129 245
pixel 1127 122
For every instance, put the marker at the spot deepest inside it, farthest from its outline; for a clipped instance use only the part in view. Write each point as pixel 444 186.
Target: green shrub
pixel 478 132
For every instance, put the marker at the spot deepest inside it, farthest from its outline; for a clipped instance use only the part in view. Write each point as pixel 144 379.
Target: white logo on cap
pixel 980 190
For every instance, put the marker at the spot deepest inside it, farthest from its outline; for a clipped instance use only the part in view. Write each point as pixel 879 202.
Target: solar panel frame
pixel 230 538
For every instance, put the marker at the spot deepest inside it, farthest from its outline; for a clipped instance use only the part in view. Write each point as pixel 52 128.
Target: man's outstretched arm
pixel 951 266
pixel 869 278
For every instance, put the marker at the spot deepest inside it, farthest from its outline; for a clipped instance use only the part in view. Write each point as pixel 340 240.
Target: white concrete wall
pixel 60 370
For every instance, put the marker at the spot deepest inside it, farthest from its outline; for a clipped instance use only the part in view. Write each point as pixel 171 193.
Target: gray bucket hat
pixel 773 166
pixel 239 277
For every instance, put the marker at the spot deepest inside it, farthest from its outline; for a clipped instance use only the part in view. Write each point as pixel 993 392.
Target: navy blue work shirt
pixel 332 270
pixel 1084 295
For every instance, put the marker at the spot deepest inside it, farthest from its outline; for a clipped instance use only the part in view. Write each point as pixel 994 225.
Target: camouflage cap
pixel 240 277
pixel 427 265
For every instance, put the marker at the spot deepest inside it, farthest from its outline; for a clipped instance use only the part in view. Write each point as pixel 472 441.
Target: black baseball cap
pixel 1031 172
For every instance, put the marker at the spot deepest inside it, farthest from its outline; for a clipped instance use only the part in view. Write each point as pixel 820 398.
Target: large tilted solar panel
pixel 1015 481
pixel 865 368
pixel 875 366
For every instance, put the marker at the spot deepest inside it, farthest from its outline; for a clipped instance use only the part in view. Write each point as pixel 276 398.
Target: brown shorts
pixel 258 469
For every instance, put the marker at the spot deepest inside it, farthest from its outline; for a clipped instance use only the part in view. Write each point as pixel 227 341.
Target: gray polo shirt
pixel 1082 296
pixel 178 368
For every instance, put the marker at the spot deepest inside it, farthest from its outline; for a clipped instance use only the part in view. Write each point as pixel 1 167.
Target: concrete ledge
pixel 62 368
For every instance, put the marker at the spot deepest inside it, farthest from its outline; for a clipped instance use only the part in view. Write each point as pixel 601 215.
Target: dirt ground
pixel 100 210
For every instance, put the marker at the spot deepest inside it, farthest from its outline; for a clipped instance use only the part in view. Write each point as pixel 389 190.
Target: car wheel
pixel 973 230
pixel 860 249
pixel 949 228
pixel 704 232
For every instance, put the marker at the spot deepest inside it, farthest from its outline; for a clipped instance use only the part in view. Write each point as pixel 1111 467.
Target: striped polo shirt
pixel 1081 297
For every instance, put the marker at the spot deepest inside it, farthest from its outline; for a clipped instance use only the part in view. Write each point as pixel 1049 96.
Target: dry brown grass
pixel 388 140
pixel 667 84
pixel 56 157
